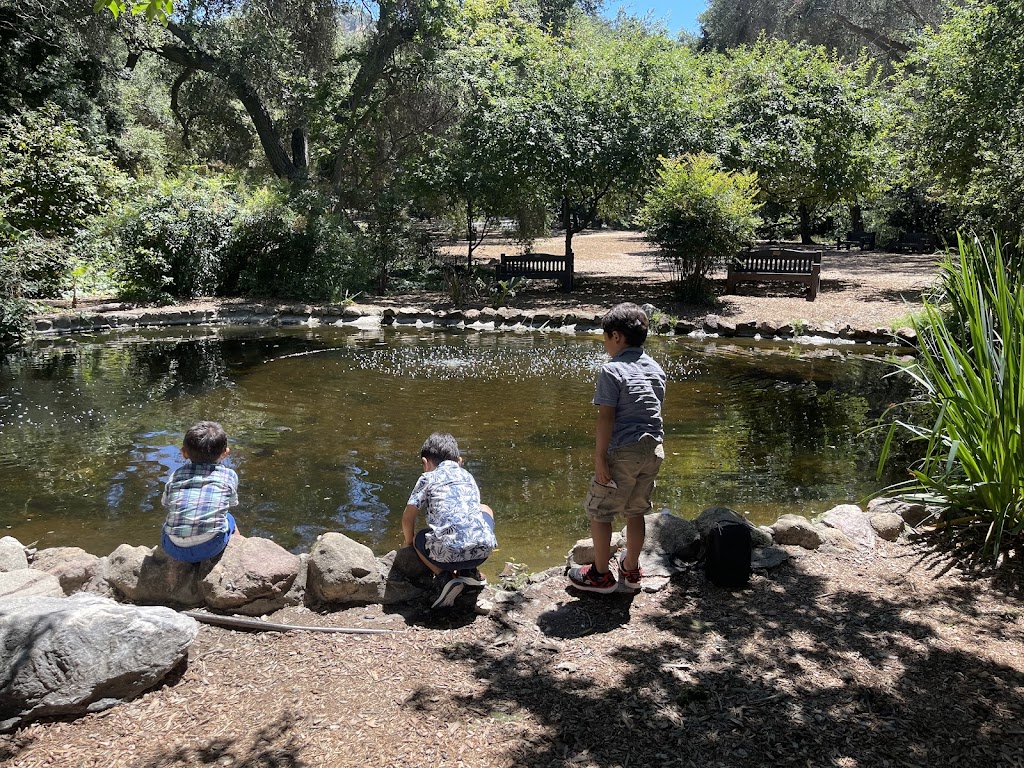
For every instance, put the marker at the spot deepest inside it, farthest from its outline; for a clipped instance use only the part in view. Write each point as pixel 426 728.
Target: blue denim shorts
pixel 200 552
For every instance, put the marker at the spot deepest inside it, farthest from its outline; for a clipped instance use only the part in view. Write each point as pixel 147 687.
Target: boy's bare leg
pixel 636 532
pixel 602 536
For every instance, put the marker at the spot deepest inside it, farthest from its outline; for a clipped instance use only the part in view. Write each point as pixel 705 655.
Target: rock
pixel 395 586
pixel 669 540
pixel 912 514
pixel 250 569
pixel 711 516
pixel 766 558
pixel 793 529
pixel 854 522
pixel 582 552
pixel 836 538
pixel 29 583
pixel 343 570
pixel 408 563
pixel 83 654
pixel 12 555
pixel 73 567
pixel 151 577
pixel 888 525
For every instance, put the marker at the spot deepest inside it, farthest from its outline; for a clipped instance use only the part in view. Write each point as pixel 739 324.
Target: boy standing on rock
pixel 198 496
pixel 459 535
pixel 629 449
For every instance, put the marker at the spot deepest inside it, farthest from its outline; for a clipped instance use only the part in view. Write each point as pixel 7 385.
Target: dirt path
pixel 838 659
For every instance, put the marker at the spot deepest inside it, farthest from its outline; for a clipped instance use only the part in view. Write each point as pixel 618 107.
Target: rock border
pixel 256 576
pixel 120 316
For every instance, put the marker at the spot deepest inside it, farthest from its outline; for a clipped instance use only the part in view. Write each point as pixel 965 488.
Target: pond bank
pixel 114 316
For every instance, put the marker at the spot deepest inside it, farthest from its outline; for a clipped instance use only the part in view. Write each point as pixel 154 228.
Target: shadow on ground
pixel 756 678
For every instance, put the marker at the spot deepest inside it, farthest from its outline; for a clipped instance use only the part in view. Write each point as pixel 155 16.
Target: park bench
pixel 863 240
pixel 915 242
pixel 540 266
pixel 776 264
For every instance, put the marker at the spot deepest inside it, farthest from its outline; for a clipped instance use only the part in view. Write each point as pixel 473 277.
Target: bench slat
pixel 776 264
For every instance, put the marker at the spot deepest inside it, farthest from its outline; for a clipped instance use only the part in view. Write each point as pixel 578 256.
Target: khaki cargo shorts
pixel 633 469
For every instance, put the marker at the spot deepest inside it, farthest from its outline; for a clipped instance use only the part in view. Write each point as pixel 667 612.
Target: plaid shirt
pixel 197 498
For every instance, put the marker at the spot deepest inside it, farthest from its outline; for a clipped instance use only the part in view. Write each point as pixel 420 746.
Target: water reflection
pixel 326 425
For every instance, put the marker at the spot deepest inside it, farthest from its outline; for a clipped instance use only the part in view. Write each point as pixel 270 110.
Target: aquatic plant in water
pixel 969 367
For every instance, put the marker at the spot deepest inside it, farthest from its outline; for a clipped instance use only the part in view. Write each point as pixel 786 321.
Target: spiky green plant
pixel 970 361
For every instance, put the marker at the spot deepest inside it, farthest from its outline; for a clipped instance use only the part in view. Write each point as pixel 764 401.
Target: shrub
pixel 971 369
pixel 173 239
pixel 277 251
pixel 699 215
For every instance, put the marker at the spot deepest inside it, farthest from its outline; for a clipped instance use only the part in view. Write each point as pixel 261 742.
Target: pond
pixel 326 425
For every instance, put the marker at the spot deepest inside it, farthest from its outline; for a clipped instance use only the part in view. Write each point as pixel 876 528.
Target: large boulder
pixel 798 531
pixel 74 568
pixel 582 552
pixel 668 538
pixel 343 571
pixel 29 583
pixel 396 586
pixel 83 654
pixel 854 522
pixel 710 517
pixel 913 514
pixel 12 555
pixel 888 525
pixel 152 577
pixel 250 569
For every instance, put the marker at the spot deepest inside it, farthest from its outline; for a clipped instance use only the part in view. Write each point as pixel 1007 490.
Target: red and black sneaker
pixel 632 578
pixel 587 578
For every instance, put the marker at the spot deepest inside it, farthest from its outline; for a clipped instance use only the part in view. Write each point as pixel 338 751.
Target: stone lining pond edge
pixel 255 576
pixel 488 319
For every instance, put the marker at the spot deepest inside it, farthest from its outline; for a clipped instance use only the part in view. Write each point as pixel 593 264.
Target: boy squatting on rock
pixel 459 535
pixel 629 449
pixel 198 496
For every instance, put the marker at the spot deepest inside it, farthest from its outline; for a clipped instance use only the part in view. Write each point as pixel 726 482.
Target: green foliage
pixel 699 215
pixel 154 10
pixel 971 369
pixel 53 181
pixel 503 291
pixel 14 309
pixel 278 250
pixel 173 239
pixel 967 130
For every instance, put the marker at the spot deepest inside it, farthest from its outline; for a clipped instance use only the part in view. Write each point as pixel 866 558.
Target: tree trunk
pixel 805 225
pixel 300 152
pixel 469 233
pixel 856 218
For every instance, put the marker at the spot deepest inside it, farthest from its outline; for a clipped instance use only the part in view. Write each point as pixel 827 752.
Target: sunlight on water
pixel 326 427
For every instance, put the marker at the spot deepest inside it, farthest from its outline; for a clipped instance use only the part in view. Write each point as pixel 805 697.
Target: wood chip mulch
pixel 895 658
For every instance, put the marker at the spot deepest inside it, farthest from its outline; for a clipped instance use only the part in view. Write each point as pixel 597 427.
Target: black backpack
pixel 727 560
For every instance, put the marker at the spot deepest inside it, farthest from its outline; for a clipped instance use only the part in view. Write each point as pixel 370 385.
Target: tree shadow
pixel 273 746
pixel 755 677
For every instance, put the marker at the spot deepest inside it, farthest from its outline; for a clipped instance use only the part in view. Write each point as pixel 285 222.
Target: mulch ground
pixel 895 658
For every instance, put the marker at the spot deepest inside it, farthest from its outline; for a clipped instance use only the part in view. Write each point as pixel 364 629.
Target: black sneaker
pixel 472 577
pixel 451 588
pixel 587 578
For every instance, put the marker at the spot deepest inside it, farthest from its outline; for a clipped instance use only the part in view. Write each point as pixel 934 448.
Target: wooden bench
pixel 776 264
pixel 541 266
pixel 863 240
pixel 915 242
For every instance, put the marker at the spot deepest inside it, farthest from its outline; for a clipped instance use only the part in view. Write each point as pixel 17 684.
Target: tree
pixel 887 28
pixel 967 125
pixel 806 122
pixel 699 215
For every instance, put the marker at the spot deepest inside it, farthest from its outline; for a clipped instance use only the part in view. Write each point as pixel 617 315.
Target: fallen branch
pixel 238 622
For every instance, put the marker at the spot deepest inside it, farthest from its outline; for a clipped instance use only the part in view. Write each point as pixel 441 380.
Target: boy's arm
pixel 409 523
pixel 605 425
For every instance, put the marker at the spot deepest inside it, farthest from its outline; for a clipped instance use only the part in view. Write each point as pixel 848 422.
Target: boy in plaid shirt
pixel 198 495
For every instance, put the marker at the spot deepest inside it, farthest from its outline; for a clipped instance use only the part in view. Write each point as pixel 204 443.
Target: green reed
pixel 969 367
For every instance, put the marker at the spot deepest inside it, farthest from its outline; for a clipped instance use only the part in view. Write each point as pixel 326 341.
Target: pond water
pixel 326 425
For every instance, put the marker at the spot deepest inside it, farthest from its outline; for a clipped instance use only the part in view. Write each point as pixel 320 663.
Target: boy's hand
pixel 601 470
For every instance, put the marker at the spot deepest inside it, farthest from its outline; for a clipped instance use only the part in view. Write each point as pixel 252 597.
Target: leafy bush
pixel 13 309
pixel 173 239
pixel 971 369
pixel 53 181
pixel 277 251
pixel 699 215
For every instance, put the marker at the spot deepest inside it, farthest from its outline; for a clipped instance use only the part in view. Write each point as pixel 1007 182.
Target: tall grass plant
pixel 969 367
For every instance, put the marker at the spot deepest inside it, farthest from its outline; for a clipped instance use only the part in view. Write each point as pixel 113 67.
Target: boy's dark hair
pixel 439 447
pixel 629 320
pixel 206 442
